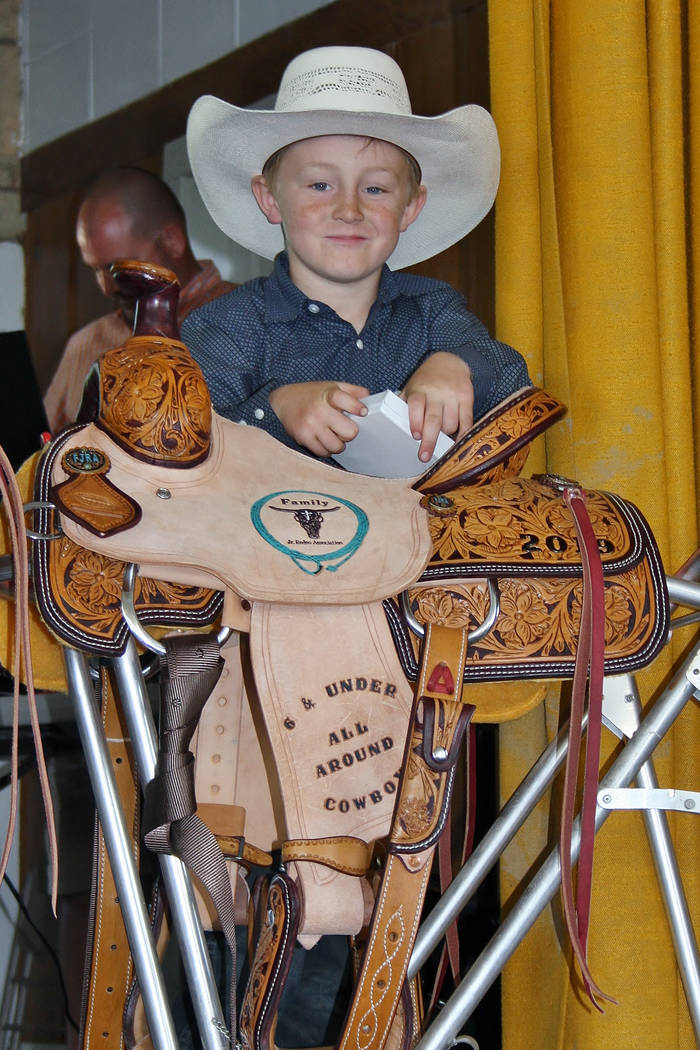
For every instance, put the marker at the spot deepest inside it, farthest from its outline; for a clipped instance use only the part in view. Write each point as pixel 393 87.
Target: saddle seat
pixel 248 519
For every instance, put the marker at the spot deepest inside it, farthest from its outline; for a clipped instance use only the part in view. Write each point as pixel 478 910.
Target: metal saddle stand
pixel 621 715
pixel 88 497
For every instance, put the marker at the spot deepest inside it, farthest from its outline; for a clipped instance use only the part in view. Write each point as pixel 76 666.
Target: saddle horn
pixel 149 395
pixel 156 291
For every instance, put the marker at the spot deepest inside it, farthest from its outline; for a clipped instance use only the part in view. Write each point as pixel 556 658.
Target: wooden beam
pixel 244 76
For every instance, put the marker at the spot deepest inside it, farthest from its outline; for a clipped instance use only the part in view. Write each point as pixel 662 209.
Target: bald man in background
pixel 126 213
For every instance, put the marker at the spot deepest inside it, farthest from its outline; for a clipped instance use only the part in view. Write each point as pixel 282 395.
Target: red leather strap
pixel 450 946
pixel 588 672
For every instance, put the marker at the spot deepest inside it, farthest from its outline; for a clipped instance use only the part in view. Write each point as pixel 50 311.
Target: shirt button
pixel 259 414
pixel 314 308
pixel 359 344
pixel 242 423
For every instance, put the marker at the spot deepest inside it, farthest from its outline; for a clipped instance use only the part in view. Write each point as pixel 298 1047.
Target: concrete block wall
pixel 11 220
pixel 12 285
pixel 82 59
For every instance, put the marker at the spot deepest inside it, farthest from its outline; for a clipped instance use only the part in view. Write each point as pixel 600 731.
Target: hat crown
pixel 352 79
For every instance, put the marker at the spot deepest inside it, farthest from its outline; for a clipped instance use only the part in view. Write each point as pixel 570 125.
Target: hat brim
pixel 458 154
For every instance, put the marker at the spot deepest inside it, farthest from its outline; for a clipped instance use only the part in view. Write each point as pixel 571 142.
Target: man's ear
pixel 173 240
pixel 414 208
pixel 266 199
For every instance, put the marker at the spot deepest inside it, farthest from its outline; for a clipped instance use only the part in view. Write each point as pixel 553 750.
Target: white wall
pixel 208 241
pixel 82 59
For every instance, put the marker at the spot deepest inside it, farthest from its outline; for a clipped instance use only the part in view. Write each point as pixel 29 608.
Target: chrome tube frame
pixel 187 926
pixel 119 849
pixel 135 703
pixel 680 924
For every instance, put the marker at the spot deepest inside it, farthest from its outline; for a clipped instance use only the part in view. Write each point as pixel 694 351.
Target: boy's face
pixel 342 201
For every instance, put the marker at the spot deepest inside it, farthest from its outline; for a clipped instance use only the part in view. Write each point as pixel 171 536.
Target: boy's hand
pixel 440 396
pixel 314 413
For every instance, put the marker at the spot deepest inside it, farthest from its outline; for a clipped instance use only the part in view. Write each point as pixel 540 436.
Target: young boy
pixel 345 178
pixel 339 179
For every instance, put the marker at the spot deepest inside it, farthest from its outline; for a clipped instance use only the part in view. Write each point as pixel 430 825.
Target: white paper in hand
pixel 384 446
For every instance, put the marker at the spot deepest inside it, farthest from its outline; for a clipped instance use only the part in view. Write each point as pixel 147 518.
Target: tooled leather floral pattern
pixel 154 401
pixel 422 791
pixel 520 521
pixel 86 590
pixel 261 972
pixel 490 442
pixel 539 619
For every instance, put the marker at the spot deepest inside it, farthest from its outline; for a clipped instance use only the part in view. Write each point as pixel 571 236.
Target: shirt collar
pixel 388 286
pixel 197 291
pixel 284 301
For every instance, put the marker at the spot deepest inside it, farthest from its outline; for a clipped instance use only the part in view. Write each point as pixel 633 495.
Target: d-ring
pixel 136 627
pixel 473 636
pixel 40 504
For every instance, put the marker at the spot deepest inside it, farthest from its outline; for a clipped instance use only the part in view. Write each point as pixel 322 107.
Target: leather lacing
pixel 12 501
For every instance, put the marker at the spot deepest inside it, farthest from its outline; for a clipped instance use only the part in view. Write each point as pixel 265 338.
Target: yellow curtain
pixel 597 227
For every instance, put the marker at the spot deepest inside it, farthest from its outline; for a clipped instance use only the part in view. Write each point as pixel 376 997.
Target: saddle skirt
pixel 513 542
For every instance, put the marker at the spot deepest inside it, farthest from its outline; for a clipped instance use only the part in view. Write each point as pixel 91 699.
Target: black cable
pixel 57 740
pixel 49 947
pixel 24 766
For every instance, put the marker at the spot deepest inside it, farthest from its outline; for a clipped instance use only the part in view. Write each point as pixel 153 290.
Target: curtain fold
pixel 597 263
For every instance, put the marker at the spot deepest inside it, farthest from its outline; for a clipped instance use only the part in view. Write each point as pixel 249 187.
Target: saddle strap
pixel 450 951
pixel 438 722
pixel 193 667
pixel 276 930
pixel 345 853
pixel 276 922
pixel 588 671
pixel 110 963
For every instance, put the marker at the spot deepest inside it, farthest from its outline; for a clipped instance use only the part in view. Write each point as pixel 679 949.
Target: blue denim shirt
pixel 267 333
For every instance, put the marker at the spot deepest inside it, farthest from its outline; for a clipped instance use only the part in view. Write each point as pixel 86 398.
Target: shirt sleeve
pixel 497 370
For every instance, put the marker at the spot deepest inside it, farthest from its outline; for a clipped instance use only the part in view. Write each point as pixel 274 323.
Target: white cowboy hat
pixel 345 91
